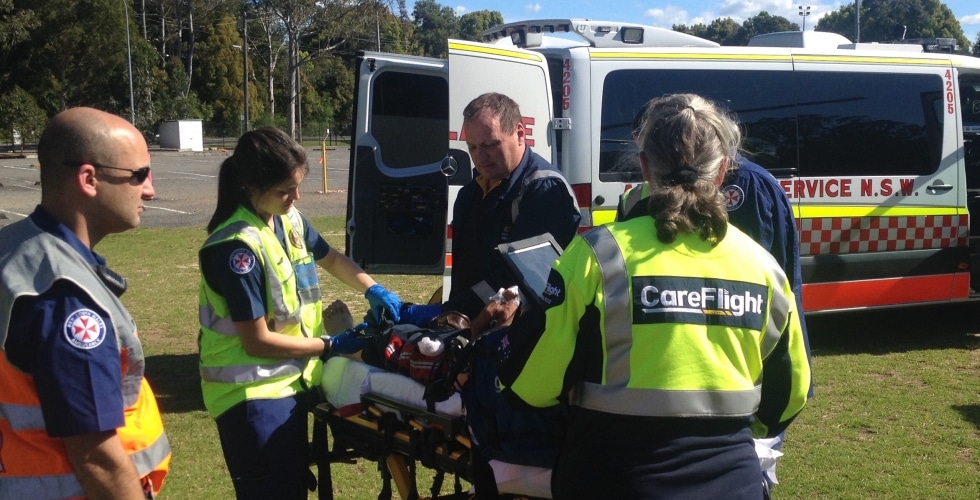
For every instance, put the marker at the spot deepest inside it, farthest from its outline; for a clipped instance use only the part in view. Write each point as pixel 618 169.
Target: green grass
pixel 896 414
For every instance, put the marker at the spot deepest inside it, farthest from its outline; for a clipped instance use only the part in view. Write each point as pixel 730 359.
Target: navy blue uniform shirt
pixel 245 291
pixel 67 343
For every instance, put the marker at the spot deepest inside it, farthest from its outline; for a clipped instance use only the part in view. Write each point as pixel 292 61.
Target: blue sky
pixel 665 13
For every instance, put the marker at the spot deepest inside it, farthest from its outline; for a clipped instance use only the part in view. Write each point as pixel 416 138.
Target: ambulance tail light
pixel 583 196
pixel 449 246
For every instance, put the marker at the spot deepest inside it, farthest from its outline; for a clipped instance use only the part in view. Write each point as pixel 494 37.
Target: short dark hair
pixel 504 108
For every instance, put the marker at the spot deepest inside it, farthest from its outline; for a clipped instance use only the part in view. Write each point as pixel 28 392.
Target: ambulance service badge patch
pixel 734 197
pixel 242 261
pixel 85 329
pixel 295 239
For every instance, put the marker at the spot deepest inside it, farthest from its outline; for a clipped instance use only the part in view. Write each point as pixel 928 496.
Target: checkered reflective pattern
pixel 843 235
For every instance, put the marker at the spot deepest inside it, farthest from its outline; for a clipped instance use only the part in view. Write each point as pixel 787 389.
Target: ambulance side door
pixel 880 207
pixel 400 165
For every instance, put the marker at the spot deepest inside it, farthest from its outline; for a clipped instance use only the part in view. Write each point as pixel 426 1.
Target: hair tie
pixel 680 175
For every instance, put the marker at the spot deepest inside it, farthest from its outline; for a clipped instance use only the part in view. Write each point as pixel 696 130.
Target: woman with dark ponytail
pixel 262 338
pixel 674 337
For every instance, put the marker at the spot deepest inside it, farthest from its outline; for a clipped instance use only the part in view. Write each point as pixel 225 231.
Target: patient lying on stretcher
pixel 516 449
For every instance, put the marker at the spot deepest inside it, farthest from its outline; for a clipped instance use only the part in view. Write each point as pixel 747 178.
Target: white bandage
pixel 430 347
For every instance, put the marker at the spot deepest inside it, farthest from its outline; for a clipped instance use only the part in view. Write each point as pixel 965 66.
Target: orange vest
pixel 33 464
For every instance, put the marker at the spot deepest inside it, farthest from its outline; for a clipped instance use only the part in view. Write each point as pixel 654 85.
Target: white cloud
pixel 667 16
pixel 533 8
pixel 971 19
pixel 740 10
pixel 460 10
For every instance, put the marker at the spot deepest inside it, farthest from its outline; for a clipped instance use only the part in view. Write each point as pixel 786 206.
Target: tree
pixel 221 75
pixel 434 25
pixel 15 28
pixel 337 83
pixel 728 32
pixel 317 28
pixel 472 25
pixel 761 24
pixel 20 113
pixel 887 20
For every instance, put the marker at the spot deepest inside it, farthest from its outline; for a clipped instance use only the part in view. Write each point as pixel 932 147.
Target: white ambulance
pixel 877 146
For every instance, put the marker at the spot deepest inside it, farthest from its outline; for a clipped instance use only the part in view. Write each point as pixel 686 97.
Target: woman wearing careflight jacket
pixel 676 335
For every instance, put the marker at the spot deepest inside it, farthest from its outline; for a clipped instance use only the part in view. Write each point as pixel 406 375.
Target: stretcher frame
pixel 397 437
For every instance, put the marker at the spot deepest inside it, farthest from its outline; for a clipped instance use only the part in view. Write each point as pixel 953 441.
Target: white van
pixel 875 145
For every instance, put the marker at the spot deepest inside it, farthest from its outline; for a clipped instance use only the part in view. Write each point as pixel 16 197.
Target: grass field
pixel 896 413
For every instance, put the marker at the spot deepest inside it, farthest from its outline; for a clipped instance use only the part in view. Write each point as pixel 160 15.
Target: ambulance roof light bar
pixel 599 34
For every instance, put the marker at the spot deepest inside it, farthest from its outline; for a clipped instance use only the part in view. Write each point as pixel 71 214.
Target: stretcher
pixel 383 417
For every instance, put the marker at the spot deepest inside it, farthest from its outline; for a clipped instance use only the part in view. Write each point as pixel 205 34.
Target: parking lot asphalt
pixel 186 186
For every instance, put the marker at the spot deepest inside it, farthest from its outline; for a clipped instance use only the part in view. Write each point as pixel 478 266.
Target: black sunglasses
pixel 140 174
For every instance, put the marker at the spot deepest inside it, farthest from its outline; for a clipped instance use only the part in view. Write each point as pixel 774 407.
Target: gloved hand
pixel 382 299
pixel 419 314
pixel 346 342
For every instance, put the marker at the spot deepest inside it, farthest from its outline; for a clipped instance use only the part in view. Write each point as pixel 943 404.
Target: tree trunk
pixel 291 86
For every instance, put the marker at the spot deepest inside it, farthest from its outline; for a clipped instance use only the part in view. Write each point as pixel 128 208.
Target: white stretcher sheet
pixel 344 380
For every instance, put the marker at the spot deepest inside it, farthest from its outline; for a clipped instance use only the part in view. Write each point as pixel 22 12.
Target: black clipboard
pixel 529 261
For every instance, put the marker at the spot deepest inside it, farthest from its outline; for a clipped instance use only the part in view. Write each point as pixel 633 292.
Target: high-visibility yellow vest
pixel 685 326
pixel 229 375
pixel 35 465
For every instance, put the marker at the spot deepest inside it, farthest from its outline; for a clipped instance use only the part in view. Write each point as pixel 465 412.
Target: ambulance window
pixel 410 118
pixel 869 123
pixel 762 102
pixel 970 108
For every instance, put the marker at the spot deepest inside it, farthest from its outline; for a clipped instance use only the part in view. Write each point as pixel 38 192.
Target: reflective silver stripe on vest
pixel 631 199
pixel 617 317
pixel 53 486
pixel 280 314
pixel 614 396
pixel 245 374
pixel 539 174
pixel 663 403
pixel 152 456
pixel 279 305
pixel 778 310
pixel 312 294
pixel 210 320
pixel 22 417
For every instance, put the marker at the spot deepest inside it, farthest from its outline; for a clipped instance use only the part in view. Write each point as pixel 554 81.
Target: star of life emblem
pixel 242 261
pixel 85 329
pixel 734 197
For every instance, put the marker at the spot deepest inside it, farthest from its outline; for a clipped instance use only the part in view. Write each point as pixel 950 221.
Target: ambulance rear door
pixel 476 68
pixel 400 165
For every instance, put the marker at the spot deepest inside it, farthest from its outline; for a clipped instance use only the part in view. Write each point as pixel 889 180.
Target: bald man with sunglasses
pixel 77 416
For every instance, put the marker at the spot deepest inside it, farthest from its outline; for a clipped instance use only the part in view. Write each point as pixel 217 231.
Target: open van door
pixel 400 166
pixel 476 68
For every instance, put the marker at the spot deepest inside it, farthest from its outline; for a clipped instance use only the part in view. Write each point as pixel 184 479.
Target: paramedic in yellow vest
pixel 262 333
pixel 675 336
pixel 77 417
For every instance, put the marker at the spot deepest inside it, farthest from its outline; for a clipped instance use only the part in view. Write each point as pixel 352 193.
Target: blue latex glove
pixel 419 315
pixel 346 342
pixel 381 300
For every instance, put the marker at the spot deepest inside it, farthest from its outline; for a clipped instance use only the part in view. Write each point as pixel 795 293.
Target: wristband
pixel 326 348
